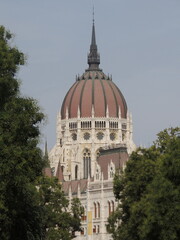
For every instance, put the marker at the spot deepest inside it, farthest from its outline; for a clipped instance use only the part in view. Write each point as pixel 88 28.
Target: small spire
pixel 46 149
pixel 119 112
pixel 78 112
pixel 93 56
pixel 107 112
pixel 46 157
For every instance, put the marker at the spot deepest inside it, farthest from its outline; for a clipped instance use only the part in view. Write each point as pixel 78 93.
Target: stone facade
pixel 81 138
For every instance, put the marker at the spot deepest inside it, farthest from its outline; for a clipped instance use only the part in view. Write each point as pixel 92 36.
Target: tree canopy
pixel 21 160
pixel 61 218
pixel 148 192
pixel 32 207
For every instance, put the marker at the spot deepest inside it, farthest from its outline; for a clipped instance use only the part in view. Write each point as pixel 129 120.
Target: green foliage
pixel 20 158
pixel 60 220
pixel 148 192
pixel 10 60
pixel 32 207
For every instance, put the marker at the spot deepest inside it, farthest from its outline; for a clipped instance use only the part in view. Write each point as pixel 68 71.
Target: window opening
pixel 87 163
pixel 76 171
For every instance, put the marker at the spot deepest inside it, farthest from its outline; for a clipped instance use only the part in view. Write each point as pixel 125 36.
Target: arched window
pixel 99 210
pixel 110 207
pixel 87 163
pixel 95 210
pixel 84 217
pixel 76 171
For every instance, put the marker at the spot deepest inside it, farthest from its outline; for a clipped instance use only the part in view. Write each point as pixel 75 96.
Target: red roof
pixel 74 186
pixel 118 156
pixel 96 89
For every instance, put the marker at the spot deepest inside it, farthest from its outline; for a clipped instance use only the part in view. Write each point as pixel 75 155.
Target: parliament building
pixel 94 138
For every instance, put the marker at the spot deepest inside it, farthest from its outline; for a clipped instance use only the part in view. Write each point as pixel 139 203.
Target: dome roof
pixel 94 92
pixel 94 89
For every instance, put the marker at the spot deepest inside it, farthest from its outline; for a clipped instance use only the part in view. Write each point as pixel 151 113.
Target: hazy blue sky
pixel 139 44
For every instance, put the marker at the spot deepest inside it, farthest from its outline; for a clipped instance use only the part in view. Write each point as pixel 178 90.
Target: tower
pixel 94 131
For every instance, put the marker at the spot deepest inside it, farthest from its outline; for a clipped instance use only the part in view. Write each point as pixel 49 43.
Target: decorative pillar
pixel 102 225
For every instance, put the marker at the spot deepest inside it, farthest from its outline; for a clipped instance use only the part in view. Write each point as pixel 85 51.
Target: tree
pixel 32 207
pixel 21 160
pixel 148 192
pixel 60 219
pixel 10 60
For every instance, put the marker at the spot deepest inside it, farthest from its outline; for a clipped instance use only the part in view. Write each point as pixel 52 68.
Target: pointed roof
pixel 93 38
pixel 47 169
pixel 93 56
pixel 92 92
pixel 46 156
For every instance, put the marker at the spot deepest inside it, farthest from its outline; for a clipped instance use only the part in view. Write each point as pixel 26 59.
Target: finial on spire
pixel 93 56
pixel 93 14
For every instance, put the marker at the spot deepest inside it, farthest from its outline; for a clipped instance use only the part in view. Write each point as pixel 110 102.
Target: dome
pixel 94 92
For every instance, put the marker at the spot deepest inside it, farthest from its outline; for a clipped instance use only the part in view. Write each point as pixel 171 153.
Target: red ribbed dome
pixel 94 88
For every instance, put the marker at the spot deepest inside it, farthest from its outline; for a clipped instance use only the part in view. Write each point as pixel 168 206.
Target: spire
pixel 46 149
pixel 93 38
pixel 93 56
pixel 46 157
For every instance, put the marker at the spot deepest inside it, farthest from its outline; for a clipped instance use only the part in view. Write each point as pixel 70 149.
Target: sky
pixel 139 44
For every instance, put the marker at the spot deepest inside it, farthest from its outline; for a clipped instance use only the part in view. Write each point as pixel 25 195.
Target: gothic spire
pixel 46 157
pixel 93 56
